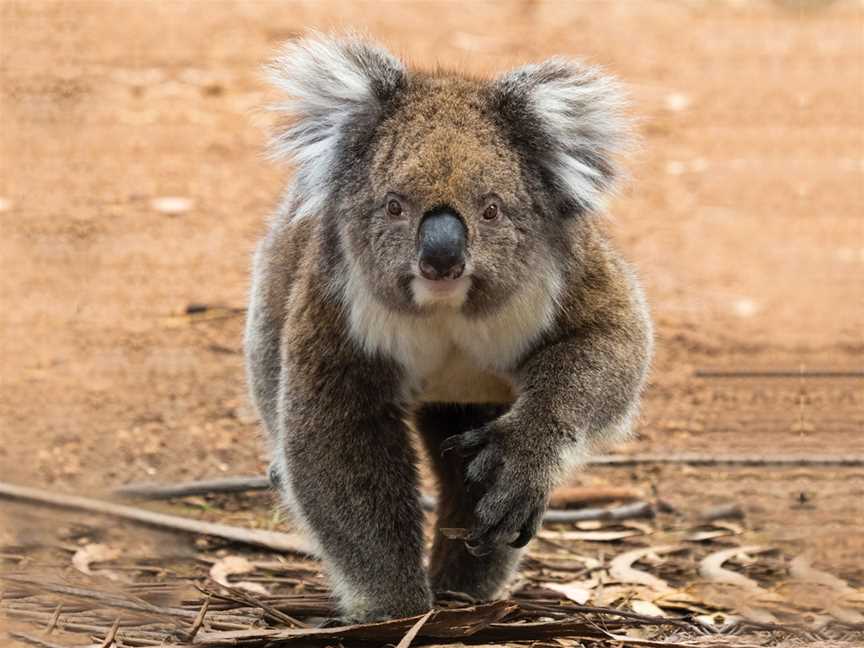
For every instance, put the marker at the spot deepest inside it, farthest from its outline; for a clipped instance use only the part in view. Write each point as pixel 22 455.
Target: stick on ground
pixel 269 539
pixel 241 484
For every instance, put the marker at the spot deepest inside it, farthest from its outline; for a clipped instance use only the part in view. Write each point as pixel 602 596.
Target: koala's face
pixel 445 191
pixel 441 212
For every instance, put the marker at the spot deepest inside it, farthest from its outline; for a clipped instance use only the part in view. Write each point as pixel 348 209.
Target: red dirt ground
pixel 743 214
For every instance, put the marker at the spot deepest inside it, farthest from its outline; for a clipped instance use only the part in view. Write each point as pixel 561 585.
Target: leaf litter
pixel 598 584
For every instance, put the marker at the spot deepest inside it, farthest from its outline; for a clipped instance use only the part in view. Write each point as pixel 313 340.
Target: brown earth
pixel 743 214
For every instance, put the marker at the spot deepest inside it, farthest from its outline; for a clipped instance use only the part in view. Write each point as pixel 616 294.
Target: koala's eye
pixel 394 207
pixel 491 212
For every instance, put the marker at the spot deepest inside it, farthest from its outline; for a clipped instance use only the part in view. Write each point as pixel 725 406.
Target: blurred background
pixel 133 187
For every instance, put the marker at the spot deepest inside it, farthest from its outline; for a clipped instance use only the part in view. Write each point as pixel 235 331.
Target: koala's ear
pixel 337 88
pixel 570 117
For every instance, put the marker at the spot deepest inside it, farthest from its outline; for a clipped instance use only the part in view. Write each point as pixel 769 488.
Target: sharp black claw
pixel 450 443
pixel 523 539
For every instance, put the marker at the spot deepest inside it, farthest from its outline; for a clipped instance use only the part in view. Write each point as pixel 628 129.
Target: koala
pixel 436 270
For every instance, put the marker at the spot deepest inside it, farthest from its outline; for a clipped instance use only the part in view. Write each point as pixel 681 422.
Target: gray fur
pixel 345 342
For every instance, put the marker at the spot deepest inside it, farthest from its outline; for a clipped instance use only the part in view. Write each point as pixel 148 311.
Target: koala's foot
pixel 452 566
pixel 454 569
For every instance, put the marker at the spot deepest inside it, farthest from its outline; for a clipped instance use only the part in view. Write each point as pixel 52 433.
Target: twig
pixel 185 489
pixel 54 618
pixel 269 539
pixel 624 512
pixel 36 641
pixel 409 636
pixel 199 620
pixel 112 634
pixel 244 598
pixel 730 460
pixel 443 624
pixel 567 497
pixel 709 373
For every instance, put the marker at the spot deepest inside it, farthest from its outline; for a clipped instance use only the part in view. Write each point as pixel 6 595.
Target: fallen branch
pixel 269 539
pixel 36 641
pixel 247 483
pixel 187 489
pixel 728 460
pixel 567 497
pixel 252 483
pixel 441 624
pixel 624 512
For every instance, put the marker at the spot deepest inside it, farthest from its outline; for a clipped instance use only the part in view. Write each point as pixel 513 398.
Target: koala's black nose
pixel 442 246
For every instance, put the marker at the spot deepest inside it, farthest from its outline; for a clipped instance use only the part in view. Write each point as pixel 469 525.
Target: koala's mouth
pixel 449 292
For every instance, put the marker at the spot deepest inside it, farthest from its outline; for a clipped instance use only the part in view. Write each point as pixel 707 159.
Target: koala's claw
pixel 511 508
pixel 466 444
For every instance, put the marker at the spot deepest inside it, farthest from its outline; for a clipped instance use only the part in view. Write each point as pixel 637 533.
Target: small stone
pixel 171 204
pixel 677 101
pixel 745 307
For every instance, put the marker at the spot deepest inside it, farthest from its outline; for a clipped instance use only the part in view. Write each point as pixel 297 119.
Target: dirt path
pixel 744 218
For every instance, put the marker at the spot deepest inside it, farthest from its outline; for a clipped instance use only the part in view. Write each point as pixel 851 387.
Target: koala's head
pixel 442 190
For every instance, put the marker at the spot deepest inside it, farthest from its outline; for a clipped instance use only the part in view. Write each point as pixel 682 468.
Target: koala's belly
pixel 457 380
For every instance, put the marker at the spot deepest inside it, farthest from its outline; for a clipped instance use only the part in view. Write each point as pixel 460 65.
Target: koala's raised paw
pixel 515 486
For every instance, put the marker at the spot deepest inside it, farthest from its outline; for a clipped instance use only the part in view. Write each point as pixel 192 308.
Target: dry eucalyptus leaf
pixel 591 536
pixel 641 606
pixel 711 567
pixel 621 568
pixel 575 592
pixel 565 562
pixel 92 553
pixel 708 533
pixel 232 566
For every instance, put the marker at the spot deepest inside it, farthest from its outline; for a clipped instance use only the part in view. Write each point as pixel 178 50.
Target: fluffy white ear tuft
pixel 337 87
pixel 571 116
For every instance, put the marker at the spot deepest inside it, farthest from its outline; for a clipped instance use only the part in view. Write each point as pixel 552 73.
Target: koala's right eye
pixel 394 207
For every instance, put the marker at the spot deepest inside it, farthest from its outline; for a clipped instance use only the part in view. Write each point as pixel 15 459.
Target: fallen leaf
pixel 232 566
pixel 94 553
pixel 641 606
pixel 701 534
pixel 572 591
pixel 621 568
pixel 711 567
pixel 591 536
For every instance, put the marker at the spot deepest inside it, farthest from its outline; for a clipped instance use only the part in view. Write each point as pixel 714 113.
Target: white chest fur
pixel 447 356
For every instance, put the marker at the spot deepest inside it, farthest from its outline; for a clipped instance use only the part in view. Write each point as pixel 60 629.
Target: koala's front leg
pixel 575 392
pixel 351 478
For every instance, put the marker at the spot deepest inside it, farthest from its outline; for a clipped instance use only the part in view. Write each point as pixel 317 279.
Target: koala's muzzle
pixel 441 244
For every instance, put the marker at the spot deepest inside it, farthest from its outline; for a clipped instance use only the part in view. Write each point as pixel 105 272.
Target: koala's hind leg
pixel 451 567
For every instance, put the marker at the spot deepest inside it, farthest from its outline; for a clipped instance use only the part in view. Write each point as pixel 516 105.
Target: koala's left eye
pixel 491 212
pixel 394 207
